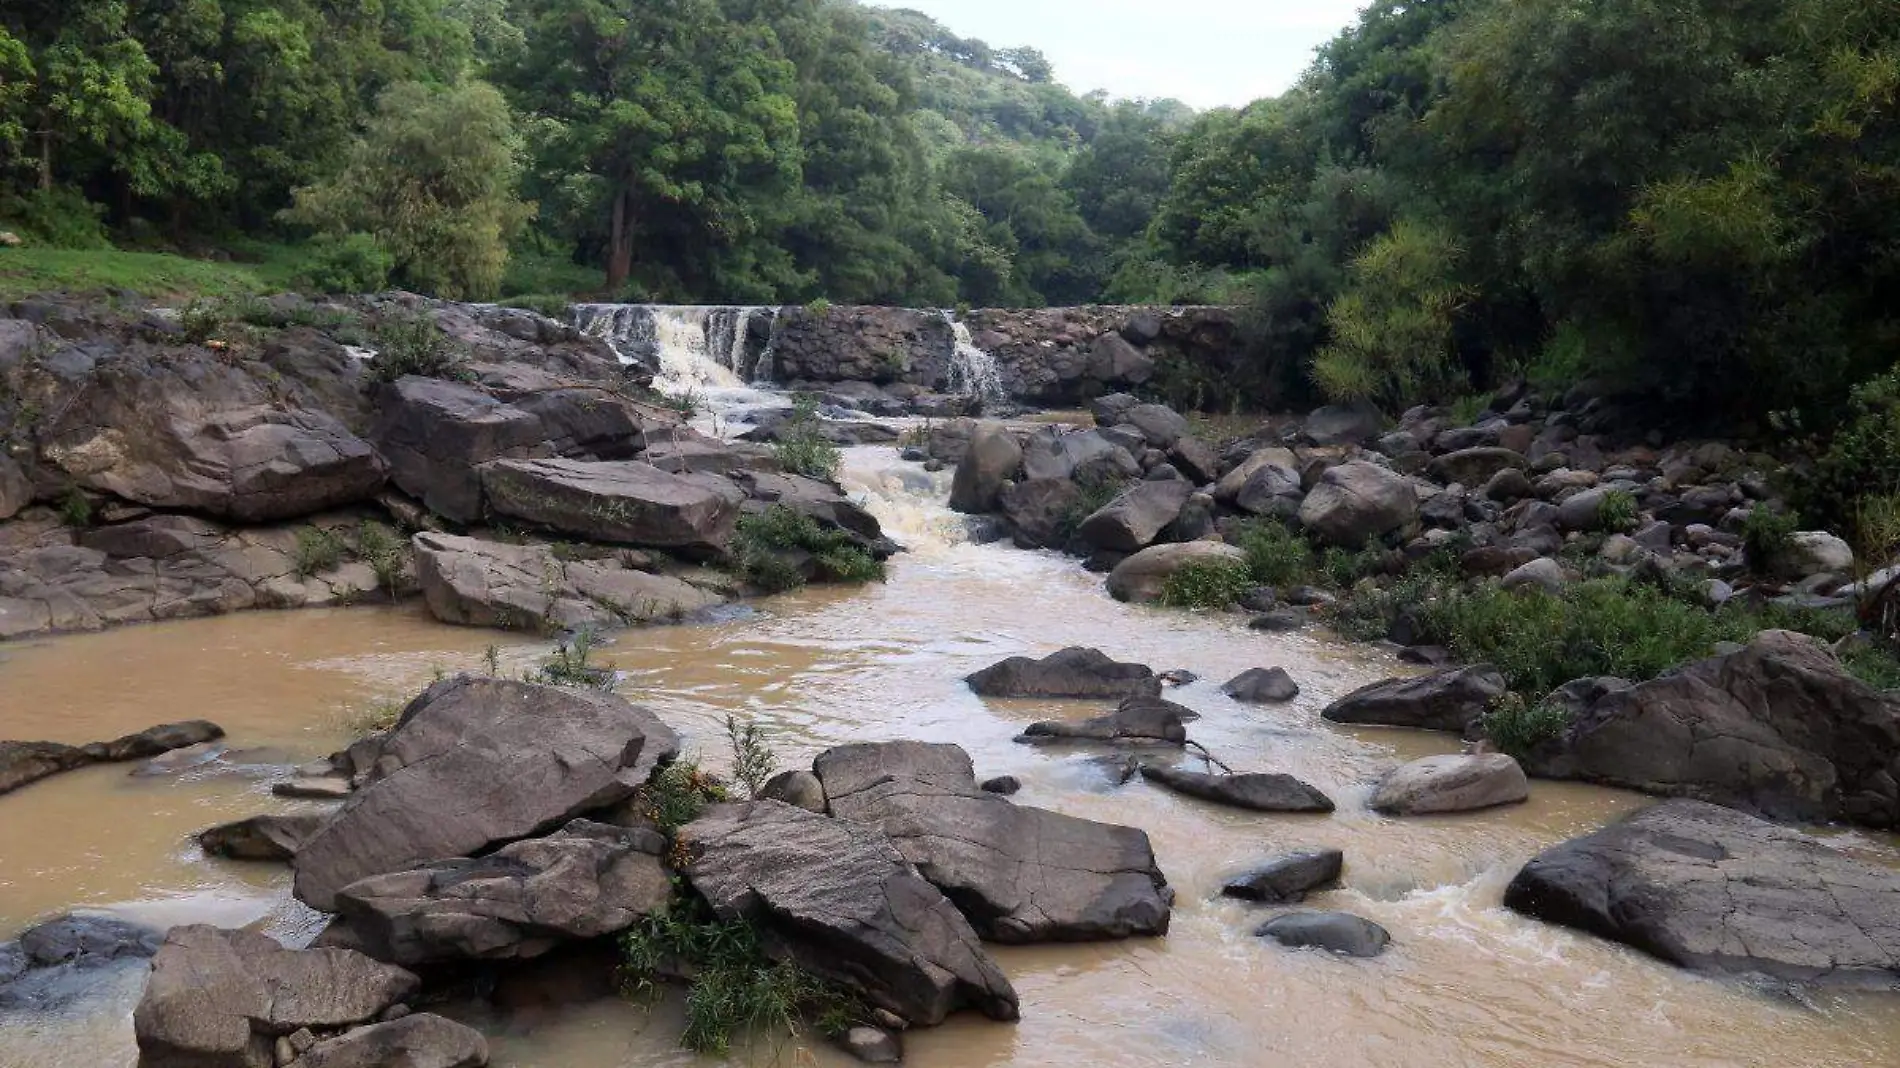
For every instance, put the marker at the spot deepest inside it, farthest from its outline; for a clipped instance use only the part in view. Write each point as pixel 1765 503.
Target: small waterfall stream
pixel 691 348
pixel 973 371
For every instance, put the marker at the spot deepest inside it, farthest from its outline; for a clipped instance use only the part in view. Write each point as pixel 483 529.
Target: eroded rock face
pixel 1449 700
pixel 1717 890
pixel 629 502
pixel 218 999
pixel 419 1040
pixel 1074 672
pixel 478 583
pixel 478 762
pixel 583 881
pixel 839 899
pixel 1451 783
pixel 1359 502
pixel 1259 791
pixel 1019 874
pixel 1143 577
pixel 1779 729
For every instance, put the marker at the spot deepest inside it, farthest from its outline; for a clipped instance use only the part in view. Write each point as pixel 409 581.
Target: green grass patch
pixel 677 794
pixel 318 550
pixel 767 547
pixel 414 345
pixel 1206 584
pixel 571 664
pixel 27 271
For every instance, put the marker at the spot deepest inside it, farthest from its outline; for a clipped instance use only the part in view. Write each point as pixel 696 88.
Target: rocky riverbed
pixel 958 786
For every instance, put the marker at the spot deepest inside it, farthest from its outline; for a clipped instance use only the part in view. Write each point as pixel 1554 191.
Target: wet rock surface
pixel 1335 932
pixel 1259 791
pixel 1068 673
pixel 23 763
pixel 1452 783
pixel 1287 879
pixel 1448 700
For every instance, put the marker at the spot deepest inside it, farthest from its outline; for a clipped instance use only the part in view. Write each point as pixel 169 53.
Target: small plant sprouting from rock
pixel 491 660
pixel 802 446
pixel 1617 512
pixel 569 664
pixel 374 718
pixel 677 793
pixel 75 509
pixel 1518 727
pixel 386 553
pixel 1206 584
pixel 753 761
pixel 736 989
pixel 1097 492
pixel 819 308
pixel 414 345
pixel 775 549
pixel 318 550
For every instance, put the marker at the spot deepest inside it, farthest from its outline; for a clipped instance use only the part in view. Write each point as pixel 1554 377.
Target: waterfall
pixel 689 348
pixel 973 371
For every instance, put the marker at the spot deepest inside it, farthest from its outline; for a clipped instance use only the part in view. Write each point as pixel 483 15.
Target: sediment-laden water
pixel 1466 983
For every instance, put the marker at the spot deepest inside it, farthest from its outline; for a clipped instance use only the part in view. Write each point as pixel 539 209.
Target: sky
pixel 1209 53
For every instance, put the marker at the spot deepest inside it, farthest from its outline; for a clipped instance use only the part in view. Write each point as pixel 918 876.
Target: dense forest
pixel 1693 197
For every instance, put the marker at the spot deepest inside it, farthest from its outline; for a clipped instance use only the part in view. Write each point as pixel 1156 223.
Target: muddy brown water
pixel 1466 982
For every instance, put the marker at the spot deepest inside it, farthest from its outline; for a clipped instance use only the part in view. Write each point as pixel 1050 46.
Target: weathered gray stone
pixel 1074 672
pixel 1136 516
pixel 798 788
pixel 1138 720
pixel 1143 577
pixel 1336 932
pixel 260 837
pixel 1262 686
pixel 1286 880
pixel 1359 502
pixel 1716 890
pixel 1476 466
pixel 1160 425
pixel 625 502
pixel 418 1040
pixel 1449 700
pixel 1452 783
pixel 993 458
pixel 1542 573
pixel 1259 791
pixel 479 583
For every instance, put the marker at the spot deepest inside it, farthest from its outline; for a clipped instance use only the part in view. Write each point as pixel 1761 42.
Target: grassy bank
pixel 28 271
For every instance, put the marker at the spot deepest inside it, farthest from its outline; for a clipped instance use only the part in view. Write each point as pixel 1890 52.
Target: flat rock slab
pixel 419 1040
pixel 1335 932
pixel 1449 700
pixel 1020 874
pixel 1287 879
pixel 625 502
pixel 1136 721
pixel 1451 783
pixel 1717 890
pixel 477 762
pixel 22 763
pixel 584 881
pixel 260 837
pixel 476 583
pixel 219 998
pixel 1262 686
pixel 1260 791
pixel 1073 672
pixel 838 899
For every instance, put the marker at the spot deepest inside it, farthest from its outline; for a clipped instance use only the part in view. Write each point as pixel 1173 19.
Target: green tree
pixel 433 178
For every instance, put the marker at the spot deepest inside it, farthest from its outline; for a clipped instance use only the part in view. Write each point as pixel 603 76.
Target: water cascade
pixel 691 348
pixel 973 371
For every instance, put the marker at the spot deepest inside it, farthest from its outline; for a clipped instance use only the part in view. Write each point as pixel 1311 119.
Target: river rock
pixel 476 583
pixel 1476 466
pixel 838 899
pixel 1344 424
pixel 1717 890
pixel 993 458
pixel 1777 728
pixel 1262 686
pixel 218 999
pixel 22 763
pixel 1260 791
pixel 476 762
pixel 1085 456
pixel 1287 879
pixel 1143 577
pixel 260 837
pixel 1451 783
pixel 1448 700
pixel 1542 573
pixel 1140 720
pixel 798 788
pixel 1020 874
pixel 1073 672
pixel 56 963
pixel 583 881
pixel 1813 552
pixel 873 1045
pixel 625 502
pixel 16 490
pixel 1272 490
pixel 1359 502
pixel 1042 512
pixel 419 1040
pixel 1336 932
pixel 1136 516
pixel 1228 489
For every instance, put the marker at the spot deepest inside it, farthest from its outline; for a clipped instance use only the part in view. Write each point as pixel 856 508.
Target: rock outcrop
pixel 22 763
pixel 1449 700
pixel 1074 672
pixel 479 583
pixel 1717 890
pixel 627 503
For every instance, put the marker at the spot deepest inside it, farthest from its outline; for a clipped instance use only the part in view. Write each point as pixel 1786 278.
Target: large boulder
pixel 1449 700
pixel 1359 502
pixel 436 434
pixel 1344 424
pixel 1161 425
pixel 268 837
pixel 1229 488
pixel 1136 721
pixel 479 583
pixel 1076 456
pixel 583 881
pixel 1135 518
pixel 1717 890
pixel 1778 728
pixel 1143 577
pixel 1019 874
pixel 474 763
pixel 838 899
pixel 1476 466
pixel 993 458
pixel 219 999
pixel 624 502
pixel 55 963
pixel 1451 783
pixel 1074 672
pixel 1813 552
pixel 1042 512
pixel 419 1040
pixel 1259 791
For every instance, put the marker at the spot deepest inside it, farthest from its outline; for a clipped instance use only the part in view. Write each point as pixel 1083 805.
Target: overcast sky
pixel 1209 53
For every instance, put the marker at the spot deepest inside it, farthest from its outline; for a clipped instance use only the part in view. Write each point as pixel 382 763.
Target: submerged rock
pixel 1020 874
pixel 1717 890
pixel 419 1040
pixel 1452 783
pixel 1336 932
pixel 61 960
pixel 1262 686
pixel 1260 791
pixel 1449 700
pixel 1073 672
pixel 476 762
pixel 22 763
pixel 1137 720
pixel 838 899
pixel 1287 879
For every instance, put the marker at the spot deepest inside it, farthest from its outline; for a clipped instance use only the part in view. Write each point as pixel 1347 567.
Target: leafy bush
pixel 819 308
pixel 1206 584
pixel 318 550
pixel 1518 726
pixel 1767 534
pixel 75 508
pixel 1862 460
pixel 1342 568
pixel 765 544
pixel 386 553
pixel 753 761
pixel 677 793
pixel 552 305
pixel 201 319
pixel 1617 512
pixel 1392 329
pixel 569 665
pixel 347 263
pixel 802 447
pixel 736 989
pixel 414 345
pixel 1276 556
pixel 56 218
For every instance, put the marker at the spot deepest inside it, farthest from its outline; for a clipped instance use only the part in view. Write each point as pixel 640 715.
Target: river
pixel 1465 983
